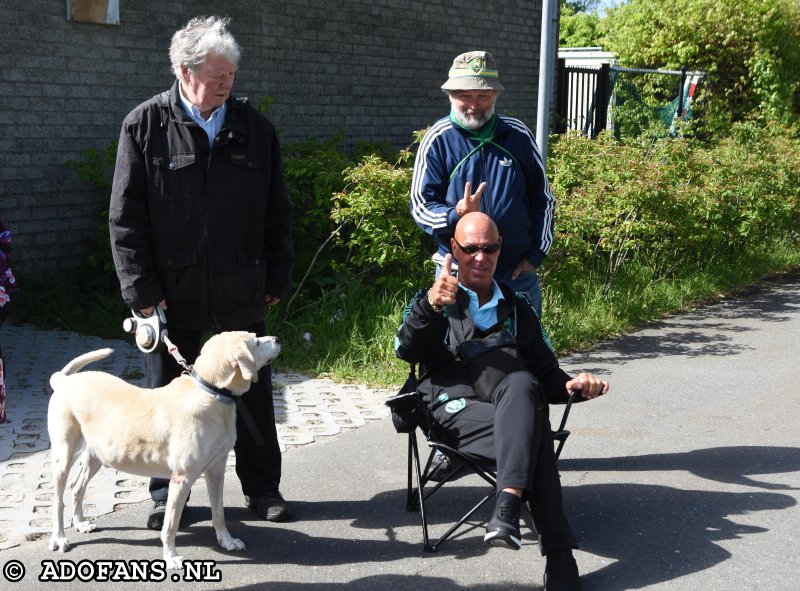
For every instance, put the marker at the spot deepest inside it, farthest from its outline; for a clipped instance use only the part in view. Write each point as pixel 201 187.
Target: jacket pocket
pixel 248 176
pixel 246 282
pixel 180 278
pixel 174 176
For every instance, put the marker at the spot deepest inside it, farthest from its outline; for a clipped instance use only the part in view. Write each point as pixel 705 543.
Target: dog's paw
pixel 84 526
pixel 174 562
pixel 59 543
pixel 231 543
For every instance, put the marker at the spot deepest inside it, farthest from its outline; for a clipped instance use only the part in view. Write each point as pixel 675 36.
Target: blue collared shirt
pixel 484 316
pixel 212 125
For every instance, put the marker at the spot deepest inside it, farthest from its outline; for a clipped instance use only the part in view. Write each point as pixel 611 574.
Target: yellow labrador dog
pixel 179 431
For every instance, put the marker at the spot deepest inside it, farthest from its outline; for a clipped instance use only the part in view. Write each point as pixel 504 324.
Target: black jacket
pixel 207 230
pixel 424 339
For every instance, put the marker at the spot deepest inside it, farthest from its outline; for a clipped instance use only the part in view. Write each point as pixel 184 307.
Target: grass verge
pixel 348 335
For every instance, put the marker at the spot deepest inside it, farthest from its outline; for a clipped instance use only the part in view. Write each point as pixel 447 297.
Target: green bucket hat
pixel 474 70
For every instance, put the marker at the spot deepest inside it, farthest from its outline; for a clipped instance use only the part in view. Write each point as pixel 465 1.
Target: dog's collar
pixel 221 394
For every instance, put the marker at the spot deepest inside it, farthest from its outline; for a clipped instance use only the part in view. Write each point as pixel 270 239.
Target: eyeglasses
pixel 471 249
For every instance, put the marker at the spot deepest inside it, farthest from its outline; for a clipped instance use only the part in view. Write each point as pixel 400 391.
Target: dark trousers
pixel 513 432
pixel 257 466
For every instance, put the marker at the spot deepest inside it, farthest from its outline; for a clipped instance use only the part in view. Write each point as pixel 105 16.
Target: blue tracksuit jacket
pixel 517 195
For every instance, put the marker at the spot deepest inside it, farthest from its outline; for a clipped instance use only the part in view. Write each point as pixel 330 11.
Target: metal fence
pixel 582 99
pixel 584 95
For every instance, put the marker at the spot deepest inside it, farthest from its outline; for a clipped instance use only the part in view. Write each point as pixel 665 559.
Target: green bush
pixel 313 171
pixel 670 203
pixel 642 227
pixel 96 168
pixel 376 224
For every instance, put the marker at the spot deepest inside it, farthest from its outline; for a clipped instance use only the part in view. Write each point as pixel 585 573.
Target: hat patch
pixel 477 65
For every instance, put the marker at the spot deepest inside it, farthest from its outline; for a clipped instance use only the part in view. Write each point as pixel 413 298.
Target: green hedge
pixel 669 203
pixel 642 228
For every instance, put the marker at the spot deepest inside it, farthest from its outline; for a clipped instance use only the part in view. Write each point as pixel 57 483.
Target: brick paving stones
pixel 306 410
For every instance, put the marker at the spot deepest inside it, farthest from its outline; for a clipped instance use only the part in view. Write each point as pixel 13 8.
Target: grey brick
pixel 371 68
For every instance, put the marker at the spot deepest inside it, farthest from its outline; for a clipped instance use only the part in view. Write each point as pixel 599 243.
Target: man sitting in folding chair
pixel 489 374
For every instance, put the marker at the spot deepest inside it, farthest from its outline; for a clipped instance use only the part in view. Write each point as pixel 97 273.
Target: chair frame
pixel 418 492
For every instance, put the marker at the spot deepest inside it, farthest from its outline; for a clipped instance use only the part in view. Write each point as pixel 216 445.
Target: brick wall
pixel 368 68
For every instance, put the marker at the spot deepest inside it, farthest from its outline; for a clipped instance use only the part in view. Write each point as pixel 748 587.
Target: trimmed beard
pixel 472 121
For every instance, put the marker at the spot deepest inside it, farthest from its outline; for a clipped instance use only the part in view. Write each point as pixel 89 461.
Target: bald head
pixel 476 221
pixel 476 246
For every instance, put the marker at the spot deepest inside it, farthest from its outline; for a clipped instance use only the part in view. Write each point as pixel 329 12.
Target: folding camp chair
pixel 409 413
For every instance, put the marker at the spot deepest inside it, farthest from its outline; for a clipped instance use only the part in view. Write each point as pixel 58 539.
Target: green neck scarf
pixel 485 135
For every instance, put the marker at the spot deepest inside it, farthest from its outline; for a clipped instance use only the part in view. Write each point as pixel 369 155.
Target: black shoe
pixel 155 519
pixel 561 572
pixel 271 506
pixel 441 467
pixel 503 529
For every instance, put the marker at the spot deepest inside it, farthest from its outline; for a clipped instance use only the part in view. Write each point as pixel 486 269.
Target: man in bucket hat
pixel 476 160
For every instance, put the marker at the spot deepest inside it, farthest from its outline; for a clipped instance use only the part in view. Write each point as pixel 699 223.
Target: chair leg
pixel 435 546
pixel 411 502
pixel 562 434
pixel 420 496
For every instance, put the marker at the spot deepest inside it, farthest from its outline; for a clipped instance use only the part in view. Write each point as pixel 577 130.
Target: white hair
pixel 200 37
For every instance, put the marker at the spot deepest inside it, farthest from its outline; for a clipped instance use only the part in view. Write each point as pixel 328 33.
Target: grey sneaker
pixel 441 467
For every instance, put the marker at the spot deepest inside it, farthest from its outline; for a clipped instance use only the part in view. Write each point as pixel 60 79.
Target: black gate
pixel 582 97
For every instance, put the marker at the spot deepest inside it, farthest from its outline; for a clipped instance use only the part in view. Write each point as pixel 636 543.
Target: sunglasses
pixel 473 248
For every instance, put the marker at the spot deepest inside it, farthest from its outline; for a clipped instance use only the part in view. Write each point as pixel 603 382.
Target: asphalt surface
pixel 685 476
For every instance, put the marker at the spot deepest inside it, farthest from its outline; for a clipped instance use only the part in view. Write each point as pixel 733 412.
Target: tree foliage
pixel 749 50
pixel 375 223
pixel 577 28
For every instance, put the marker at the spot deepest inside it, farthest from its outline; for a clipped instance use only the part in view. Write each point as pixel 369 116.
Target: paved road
pixel 306 411
pixel 686 476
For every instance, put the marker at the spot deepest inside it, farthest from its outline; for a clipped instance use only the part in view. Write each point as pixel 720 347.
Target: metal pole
pixel 679 112
pixel 546 62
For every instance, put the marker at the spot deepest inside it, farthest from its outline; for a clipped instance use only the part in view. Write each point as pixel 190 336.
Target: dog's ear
pixel 243 357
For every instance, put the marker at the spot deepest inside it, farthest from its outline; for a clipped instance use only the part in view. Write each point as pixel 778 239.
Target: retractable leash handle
pixel 151 332
pixel 148 331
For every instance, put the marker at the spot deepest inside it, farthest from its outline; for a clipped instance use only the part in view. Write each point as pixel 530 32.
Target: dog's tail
pixel 79 363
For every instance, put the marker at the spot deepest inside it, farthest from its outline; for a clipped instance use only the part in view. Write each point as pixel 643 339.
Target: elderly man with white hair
pixel 200 224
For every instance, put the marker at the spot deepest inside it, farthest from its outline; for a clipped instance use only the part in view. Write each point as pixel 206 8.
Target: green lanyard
pixel 483 137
